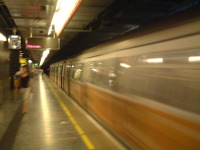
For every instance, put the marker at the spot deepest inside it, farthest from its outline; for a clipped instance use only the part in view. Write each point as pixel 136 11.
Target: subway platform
pixel 54 122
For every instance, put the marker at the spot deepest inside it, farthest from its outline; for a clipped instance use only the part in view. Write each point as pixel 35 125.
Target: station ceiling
pixel 95 21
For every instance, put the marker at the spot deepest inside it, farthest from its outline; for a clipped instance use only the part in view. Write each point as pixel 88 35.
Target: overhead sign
pixel 14 42
pixel 34 43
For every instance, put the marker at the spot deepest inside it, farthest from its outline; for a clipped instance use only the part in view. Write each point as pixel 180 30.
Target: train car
pixel 66 73
pixel 59 74
pixel 143 87
pixel 52 72
pixel 56 73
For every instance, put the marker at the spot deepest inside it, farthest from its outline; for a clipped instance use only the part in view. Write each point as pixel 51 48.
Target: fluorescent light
pixel 63 13
pixel 155 60
pixel 125 65
pixel 50 29
pixel 78 70
pixel 2 37
pixel 42 61
pixel 44 55
pixel 58 4
pixel 194 58
pixel 14 36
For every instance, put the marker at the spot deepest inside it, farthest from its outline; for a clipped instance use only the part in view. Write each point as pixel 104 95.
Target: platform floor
pixel 54 122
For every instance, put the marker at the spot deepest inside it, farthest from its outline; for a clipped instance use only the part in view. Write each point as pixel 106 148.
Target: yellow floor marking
pixel 84 137
pixel 78 128
pixel 72 120
pixel 68 113
pixel 62 132
pixel 87 142
pixel 53 139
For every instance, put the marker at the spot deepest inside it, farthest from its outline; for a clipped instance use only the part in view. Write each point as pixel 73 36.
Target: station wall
pixel 4 70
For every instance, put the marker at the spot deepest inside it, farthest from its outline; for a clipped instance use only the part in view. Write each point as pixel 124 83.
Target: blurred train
pixel 144 87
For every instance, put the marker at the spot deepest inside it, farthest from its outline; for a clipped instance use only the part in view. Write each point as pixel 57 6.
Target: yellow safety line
pixel 84 137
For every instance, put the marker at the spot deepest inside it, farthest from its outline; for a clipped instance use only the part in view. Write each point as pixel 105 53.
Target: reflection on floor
pixel 54 122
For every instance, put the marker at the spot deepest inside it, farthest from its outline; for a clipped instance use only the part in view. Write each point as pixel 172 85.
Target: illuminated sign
pixel 14 42
pixel 33 46
pixel 50 43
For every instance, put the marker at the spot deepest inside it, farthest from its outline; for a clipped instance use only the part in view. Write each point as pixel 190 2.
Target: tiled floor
pixel 7 111
pixel 54 122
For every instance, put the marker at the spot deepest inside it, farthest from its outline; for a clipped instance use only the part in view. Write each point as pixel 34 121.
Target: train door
pixel 50 72
pixel 63 75
pixel 60 75
pixel 66 85
pixel 53 73
pixel 56 74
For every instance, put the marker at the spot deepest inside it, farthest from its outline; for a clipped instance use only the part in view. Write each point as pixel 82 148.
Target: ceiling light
pixel 194 58
pixel 155 60
pixel 2 37
pixel 45 53
pixel 125 65
pixel 44 56
pixel 62 15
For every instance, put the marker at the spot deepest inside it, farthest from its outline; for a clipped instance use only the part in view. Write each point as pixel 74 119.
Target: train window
pixel 168 77
pixel 77 69
pixel 59 70
pixel 102 73
pixel 67 69
pixel 85 72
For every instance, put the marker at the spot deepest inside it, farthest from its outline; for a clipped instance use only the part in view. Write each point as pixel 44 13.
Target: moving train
pixel 144 87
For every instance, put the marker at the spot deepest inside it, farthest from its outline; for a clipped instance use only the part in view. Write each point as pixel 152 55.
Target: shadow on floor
pixel 8 138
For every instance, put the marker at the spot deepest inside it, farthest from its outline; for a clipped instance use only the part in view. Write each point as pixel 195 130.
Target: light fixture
pixel 44 56
pixel 125 65
pixel 29 61
pixel 64 11
pixel 194 58
pixel 2 37
pixel 45 53
pixel 155 60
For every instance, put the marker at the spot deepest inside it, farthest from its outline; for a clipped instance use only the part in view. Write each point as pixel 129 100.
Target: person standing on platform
pixel 17 82
pixel 26 88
